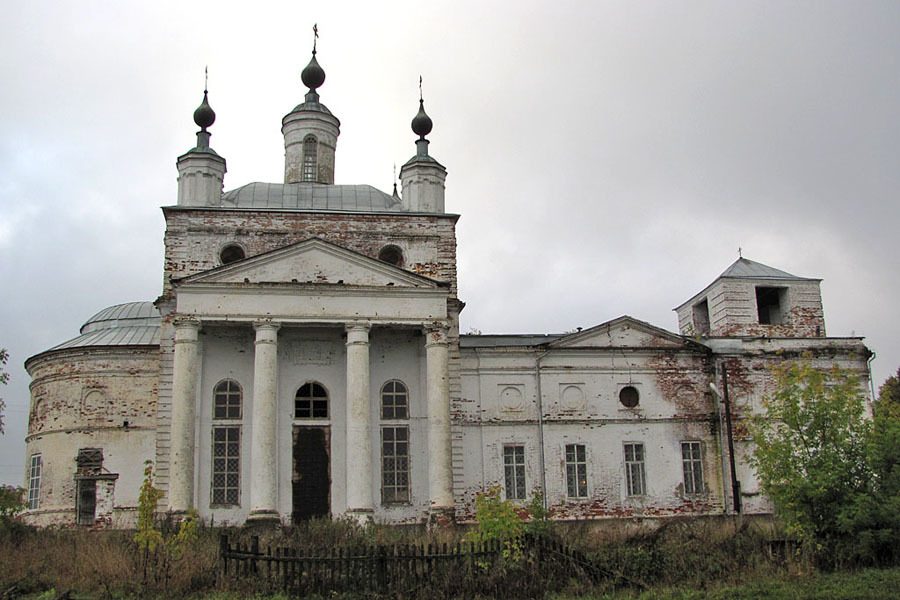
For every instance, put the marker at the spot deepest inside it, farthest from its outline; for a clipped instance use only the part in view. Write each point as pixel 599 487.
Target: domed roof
pixel 130 314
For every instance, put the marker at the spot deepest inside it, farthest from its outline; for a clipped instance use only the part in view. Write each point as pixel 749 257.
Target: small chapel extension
pixel 303 359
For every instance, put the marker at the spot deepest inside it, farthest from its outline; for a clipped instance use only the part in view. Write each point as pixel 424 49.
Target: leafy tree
pixel 4 377
pixel 813 459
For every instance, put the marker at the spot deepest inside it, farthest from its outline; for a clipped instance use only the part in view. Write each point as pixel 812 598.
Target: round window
pixel 629 397
pixel 391 254
pixel 231 253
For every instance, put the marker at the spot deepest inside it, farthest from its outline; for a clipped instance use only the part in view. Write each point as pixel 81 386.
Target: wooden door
pixel 311 479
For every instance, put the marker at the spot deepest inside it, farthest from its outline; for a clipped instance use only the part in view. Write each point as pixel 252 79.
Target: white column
pixel 263 449
pixel 440 475
pixel 185 374
pixel 359 424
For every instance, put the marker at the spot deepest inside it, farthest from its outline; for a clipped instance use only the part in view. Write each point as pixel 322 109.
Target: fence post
pixel 254 549
pixel 223 551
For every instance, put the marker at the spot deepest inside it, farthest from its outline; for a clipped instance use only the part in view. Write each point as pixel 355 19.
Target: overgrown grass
pixel 683 559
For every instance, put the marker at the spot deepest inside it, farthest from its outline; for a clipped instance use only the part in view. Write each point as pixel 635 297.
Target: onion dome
pixel 421 123
pixel 313 75
pixel 204 116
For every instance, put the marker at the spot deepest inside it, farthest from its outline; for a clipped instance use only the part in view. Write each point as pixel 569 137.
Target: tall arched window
pixel 309 158
pixel 311 402
pixel 225 484
pixel 227 397
pixel 394 443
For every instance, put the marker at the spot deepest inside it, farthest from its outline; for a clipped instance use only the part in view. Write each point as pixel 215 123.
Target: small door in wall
pixel 87 501
pixel 311 479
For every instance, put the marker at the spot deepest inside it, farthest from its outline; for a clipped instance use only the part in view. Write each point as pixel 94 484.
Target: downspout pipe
pixel 540 426
pixel 735 484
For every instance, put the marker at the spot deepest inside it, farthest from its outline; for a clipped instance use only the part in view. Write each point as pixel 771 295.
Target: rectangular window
pixel 692 464
pixel 770 305
pixel 226 465
pixel 87 501
pixel 576 471
pixel 635 479
pixel 394 464
pixel 514 472
pixel 34 482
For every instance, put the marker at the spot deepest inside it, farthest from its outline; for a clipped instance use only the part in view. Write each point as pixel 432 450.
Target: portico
pixel 223 319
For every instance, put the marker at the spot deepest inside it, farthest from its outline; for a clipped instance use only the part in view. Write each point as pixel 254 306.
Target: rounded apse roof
pixel 130 314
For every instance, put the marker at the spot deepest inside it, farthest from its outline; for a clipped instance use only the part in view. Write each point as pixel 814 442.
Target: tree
pixel 4 377
pixel 813 457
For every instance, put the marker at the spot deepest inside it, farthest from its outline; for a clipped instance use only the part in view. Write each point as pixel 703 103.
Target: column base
pixel 363 516
pixel 264 517
pixel 441 517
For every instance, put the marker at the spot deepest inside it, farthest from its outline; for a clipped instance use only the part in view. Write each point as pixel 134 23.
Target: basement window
pixel 701 318
pixel 231 253
pixel 770 305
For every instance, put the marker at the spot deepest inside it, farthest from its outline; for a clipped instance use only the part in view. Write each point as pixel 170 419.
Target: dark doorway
pixel 311 480
pixel 87 501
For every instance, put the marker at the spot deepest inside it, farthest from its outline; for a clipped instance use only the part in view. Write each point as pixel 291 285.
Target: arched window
pixel 310 148
pixel 227 397
pixel 391 254
pixel 311 402
pixel 394 400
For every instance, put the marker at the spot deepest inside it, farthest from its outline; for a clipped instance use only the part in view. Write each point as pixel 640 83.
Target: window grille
pixel 34 482
pixel 576 471
pixel 692 464
pixel 514 472
pixel 309 159
pixel 395 464
pixel 635 478
pixel 226 467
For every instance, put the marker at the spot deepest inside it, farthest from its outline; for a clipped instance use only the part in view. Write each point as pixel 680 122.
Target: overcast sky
pixel 607 158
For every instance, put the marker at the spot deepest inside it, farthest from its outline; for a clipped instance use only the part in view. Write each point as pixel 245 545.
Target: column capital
pixel 436 334
pixel 187 323
pixel 357 332
pixel 266 324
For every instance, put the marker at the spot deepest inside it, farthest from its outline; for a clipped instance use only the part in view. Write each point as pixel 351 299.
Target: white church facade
pixel 304 360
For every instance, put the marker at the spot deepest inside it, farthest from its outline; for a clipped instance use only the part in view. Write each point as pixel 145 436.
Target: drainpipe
pixel 735 484
pixel 869 367
pixel 540 425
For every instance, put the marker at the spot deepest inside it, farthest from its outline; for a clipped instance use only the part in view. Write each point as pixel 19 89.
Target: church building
pixel 304 360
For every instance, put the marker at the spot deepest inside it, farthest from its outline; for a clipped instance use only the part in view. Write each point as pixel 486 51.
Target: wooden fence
pixel 402 569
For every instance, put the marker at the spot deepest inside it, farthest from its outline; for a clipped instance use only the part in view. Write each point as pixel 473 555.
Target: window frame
pixel 695 465
pixel 635 466
pixel 394 394
pixel 309 164
pixel 312 399
pixel 514 476
pixel 578 465
pixel 395 464
pixel 36 464
pixel 229 394
pixel 224 500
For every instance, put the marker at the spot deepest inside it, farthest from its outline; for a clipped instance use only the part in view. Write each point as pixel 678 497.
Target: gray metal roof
pixel 129 314
pixel 744 268
pixel 311 196
pixel 129 324
pixel 501 340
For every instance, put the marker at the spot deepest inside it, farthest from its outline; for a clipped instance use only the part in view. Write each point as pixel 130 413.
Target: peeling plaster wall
pixel 579 392
pixel 81 398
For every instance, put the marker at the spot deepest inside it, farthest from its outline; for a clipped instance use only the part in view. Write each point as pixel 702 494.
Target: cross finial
pixel 740 254
pixel 205 79
pixel 315 35
pixel 395 171
pixel 420 88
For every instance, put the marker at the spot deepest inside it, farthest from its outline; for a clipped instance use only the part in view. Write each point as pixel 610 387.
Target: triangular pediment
pixel 624 332
pixel 313 261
